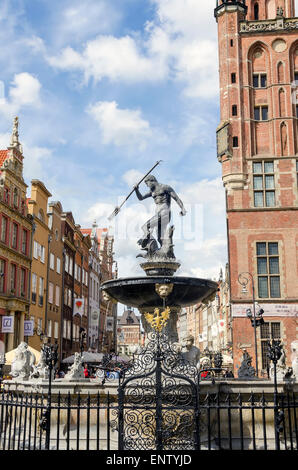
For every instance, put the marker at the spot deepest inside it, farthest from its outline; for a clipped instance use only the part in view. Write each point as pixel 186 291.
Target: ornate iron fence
pixel 160 403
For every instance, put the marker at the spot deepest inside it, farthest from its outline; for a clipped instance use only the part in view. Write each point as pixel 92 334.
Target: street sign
pixel 28 328
pixel 7 324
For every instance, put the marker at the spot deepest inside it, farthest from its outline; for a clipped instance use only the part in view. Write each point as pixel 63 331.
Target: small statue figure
pixel 280 12
pixel 22 364
pixel 162 195
pixel 246 370
pixel 76 371
pixel 41 370
pixel 294 358
pixel 190 352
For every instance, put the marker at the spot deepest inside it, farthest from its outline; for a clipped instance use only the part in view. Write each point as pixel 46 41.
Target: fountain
pixel 159 288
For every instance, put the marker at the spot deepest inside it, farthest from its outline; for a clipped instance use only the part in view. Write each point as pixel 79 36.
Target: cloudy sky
pixel 105 88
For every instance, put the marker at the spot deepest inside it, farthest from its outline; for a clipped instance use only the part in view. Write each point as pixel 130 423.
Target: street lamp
pixel 255 318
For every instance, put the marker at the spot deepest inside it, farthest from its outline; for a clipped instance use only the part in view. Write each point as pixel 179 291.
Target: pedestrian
pixel 86 372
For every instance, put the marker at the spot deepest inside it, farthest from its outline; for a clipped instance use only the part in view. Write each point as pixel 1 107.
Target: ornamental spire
pixel 14 141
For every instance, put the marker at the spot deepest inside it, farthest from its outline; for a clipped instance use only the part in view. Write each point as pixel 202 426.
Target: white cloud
pixel 77 20
pixel 120 126
pixel 178 44
pixel 24 91
pixel 132 177
pixel 111 57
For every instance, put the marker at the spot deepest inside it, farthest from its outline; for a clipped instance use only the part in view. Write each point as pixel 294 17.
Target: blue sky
pixel 104 89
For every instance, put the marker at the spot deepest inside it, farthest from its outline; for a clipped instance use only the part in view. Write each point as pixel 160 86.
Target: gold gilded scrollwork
pixel 158 320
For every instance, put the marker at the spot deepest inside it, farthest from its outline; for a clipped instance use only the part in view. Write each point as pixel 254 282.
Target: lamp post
pixel 256 319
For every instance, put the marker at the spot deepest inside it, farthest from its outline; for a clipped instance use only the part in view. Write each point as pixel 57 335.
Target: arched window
pixel 256 11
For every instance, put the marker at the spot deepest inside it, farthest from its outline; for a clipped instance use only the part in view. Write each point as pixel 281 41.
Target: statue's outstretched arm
pixel 178 200
pixel 139 195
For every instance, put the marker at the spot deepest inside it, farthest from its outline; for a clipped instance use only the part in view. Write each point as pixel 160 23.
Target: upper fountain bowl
pixel 140 292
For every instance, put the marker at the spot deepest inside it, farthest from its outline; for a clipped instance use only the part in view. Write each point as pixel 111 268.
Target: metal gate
pixel 158 400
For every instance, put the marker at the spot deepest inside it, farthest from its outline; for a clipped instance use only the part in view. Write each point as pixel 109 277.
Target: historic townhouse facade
pixel 128 332
pixel 108 309
pixel 54 310
pixel 257 142
pixel 81 285
pixel 94 289
pixel 68 265
pixel 37 207
pixel 15 245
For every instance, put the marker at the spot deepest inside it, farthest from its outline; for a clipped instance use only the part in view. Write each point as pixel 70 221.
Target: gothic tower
pixel 257 145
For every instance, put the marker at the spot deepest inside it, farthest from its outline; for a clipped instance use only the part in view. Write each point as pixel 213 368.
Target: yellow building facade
pixel 37 207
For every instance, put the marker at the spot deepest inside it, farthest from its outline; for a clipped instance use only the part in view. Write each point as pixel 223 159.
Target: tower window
pixel 268 270
pixel 261 113
pixel 259 80
pixel 235 142
pixel 232 43
pixel 233 77
pixel 234 110
pixel 264 184
pixel 296 77
pixel 256 11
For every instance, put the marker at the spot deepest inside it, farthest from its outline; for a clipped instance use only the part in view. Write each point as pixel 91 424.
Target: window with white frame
pixel 51 293
pixel 52 261
pixel 56 330
pixel 58 265
pixel 57 296
pixel 49 332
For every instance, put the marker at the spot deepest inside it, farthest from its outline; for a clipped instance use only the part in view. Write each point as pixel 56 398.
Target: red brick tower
pixel 257 142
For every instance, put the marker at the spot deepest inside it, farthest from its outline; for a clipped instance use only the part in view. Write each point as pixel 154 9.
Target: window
pixel 14 239
pixel 49 332
pixel 259 80
pixel 24 241
pixel 57 296
pixel 42 253
pixel 34 287
pixel 2 275
pixel 56 330
pixel 296 76
pixel 52 261
pixel 6 195
pixel 261 113
pixel 13 278
pixel 4 225
pixel 256 11
pixel 233 78
pixel 234 110
pixel 35 249
pixel 70 265
pixel 232 43
pixel 268 331
pixel 268 270
pixel 263 184
pixel 23 282
pixel 15 197
pixel 235 142
pixel 41 291
pixel 51 293
pixel 40 215
pixel 58 268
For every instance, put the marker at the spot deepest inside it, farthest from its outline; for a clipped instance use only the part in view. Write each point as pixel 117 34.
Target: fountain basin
pixel 139 292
